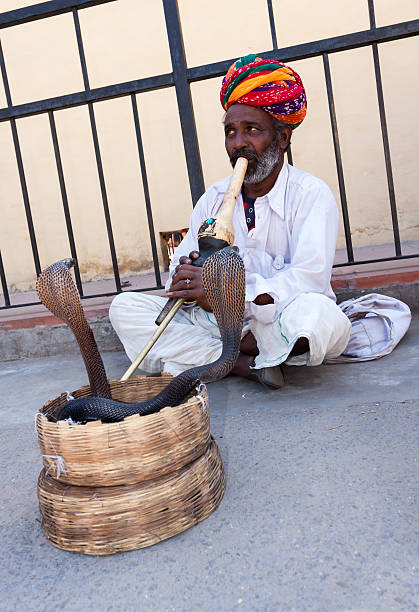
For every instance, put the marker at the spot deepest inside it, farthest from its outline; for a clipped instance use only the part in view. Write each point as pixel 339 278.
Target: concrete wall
pixel 126 40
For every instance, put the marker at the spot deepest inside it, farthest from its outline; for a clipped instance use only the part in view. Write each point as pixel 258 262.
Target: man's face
pixel 249 133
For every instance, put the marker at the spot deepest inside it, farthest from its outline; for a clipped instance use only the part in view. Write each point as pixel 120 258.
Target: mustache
pixel 250 155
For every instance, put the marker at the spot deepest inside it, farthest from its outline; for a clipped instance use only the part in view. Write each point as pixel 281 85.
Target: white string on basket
pixel 69 398
pixel 59 462
pixel 70 421
pixel 201 387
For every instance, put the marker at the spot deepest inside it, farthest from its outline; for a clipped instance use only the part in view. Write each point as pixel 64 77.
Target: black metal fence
pixel 180 78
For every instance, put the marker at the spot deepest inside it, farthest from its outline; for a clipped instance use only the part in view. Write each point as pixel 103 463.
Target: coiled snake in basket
pixel 224 286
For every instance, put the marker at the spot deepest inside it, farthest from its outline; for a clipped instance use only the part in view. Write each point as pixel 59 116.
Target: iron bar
pixel 386 145
pixel 338 158
pixel 44 9
pixel 275 46
pixel 4 78
pixel 64 198
pixel 146 189
pixel 20 305
pixel 104 197
pixel 371 12
pixel 272 25
pixel 372 261
pixel 25 195
pixel 208 71
pixel 81 50
pixel 86 297
pixel 335 44
pixel 4 284
pixel 384 134
pixel 112 293
pixel 21 170
pixel 98 156
pixel 184 100
pixel 83 97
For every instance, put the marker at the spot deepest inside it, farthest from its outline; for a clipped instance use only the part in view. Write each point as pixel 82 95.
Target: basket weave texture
pixel 106 520
pixel 136 449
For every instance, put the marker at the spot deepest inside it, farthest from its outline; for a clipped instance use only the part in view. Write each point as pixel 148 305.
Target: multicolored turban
pixel 267 84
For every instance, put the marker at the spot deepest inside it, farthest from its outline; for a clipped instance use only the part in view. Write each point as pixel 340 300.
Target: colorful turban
pixel 267 84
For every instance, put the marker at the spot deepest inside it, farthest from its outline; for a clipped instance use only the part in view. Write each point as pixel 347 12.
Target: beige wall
pixel 126 40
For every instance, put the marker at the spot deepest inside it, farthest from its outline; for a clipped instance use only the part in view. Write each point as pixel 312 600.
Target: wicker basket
pixel 134 450
pixel 106 520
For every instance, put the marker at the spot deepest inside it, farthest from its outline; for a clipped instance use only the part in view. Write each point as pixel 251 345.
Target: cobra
pixel 223 279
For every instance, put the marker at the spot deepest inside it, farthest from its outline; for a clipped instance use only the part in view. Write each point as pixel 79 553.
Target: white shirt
pixel 292 246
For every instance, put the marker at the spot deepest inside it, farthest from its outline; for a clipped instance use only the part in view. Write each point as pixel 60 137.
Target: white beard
pixel 266 164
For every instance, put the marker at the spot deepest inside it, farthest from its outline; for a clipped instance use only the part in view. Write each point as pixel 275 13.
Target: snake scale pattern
pixel 223 279
pixel 57 291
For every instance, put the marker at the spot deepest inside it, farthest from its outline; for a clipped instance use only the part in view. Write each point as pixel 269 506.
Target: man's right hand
pixel 187 282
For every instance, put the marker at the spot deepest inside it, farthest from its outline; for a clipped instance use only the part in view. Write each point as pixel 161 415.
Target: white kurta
pixel 289 254
pixel 292 246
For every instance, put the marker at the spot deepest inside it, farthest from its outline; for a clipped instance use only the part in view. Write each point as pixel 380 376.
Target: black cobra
pixel 223 281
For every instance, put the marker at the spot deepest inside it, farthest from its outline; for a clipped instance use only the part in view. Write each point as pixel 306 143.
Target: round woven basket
pixel 136 449
pixel 106 520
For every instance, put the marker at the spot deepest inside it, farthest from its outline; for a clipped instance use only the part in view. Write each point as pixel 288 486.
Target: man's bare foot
pixel 242 365
pixel 269 377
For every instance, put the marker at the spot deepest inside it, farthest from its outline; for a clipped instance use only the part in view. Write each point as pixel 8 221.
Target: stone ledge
pixel 47 340
pixel 34 339
pixel 408 293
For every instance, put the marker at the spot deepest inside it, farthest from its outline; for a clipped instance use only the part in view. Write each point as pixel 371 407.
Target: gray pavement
pixel 319 512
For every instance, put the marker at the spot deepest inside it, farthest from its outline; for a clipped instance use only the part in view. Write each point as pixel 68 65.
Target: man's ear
pixel 285 137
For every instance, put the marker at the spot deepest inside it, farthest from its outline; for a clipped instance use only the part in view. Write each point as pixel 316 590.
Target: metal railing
pixel 180 78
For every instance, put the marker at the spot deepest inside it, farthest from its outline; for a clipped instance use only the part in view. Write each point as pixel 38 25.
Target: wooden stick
pixel 153 339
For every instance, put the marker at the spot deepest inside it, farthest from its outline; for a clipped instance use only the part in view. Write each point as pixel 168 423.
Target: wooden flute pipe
pixel 214 234
pixel 216 229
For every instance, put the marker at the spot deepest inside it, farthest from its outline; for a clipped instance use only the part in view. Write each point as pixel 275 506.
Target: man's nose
pixel 240 141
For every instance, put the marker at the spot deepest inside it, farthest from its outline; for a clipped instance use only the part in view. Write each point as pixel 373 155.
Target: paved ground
pixel 319 511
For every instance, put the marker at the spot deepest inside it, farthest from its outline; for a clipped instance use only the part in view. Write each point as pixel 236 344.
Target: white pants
pixel 192 338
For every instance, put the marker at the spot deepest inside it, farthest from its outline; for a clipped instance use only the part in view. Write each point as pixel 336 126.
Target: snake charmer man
pixel 285 225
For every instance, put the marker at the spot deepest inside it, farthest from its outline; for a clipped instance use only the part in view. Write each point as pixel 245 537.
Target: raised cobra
pixel 223 282
pixel 57 291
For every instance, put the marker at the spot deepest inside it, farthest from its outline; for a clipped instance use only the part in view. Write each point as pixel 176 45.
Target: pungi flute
pixel 214 234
